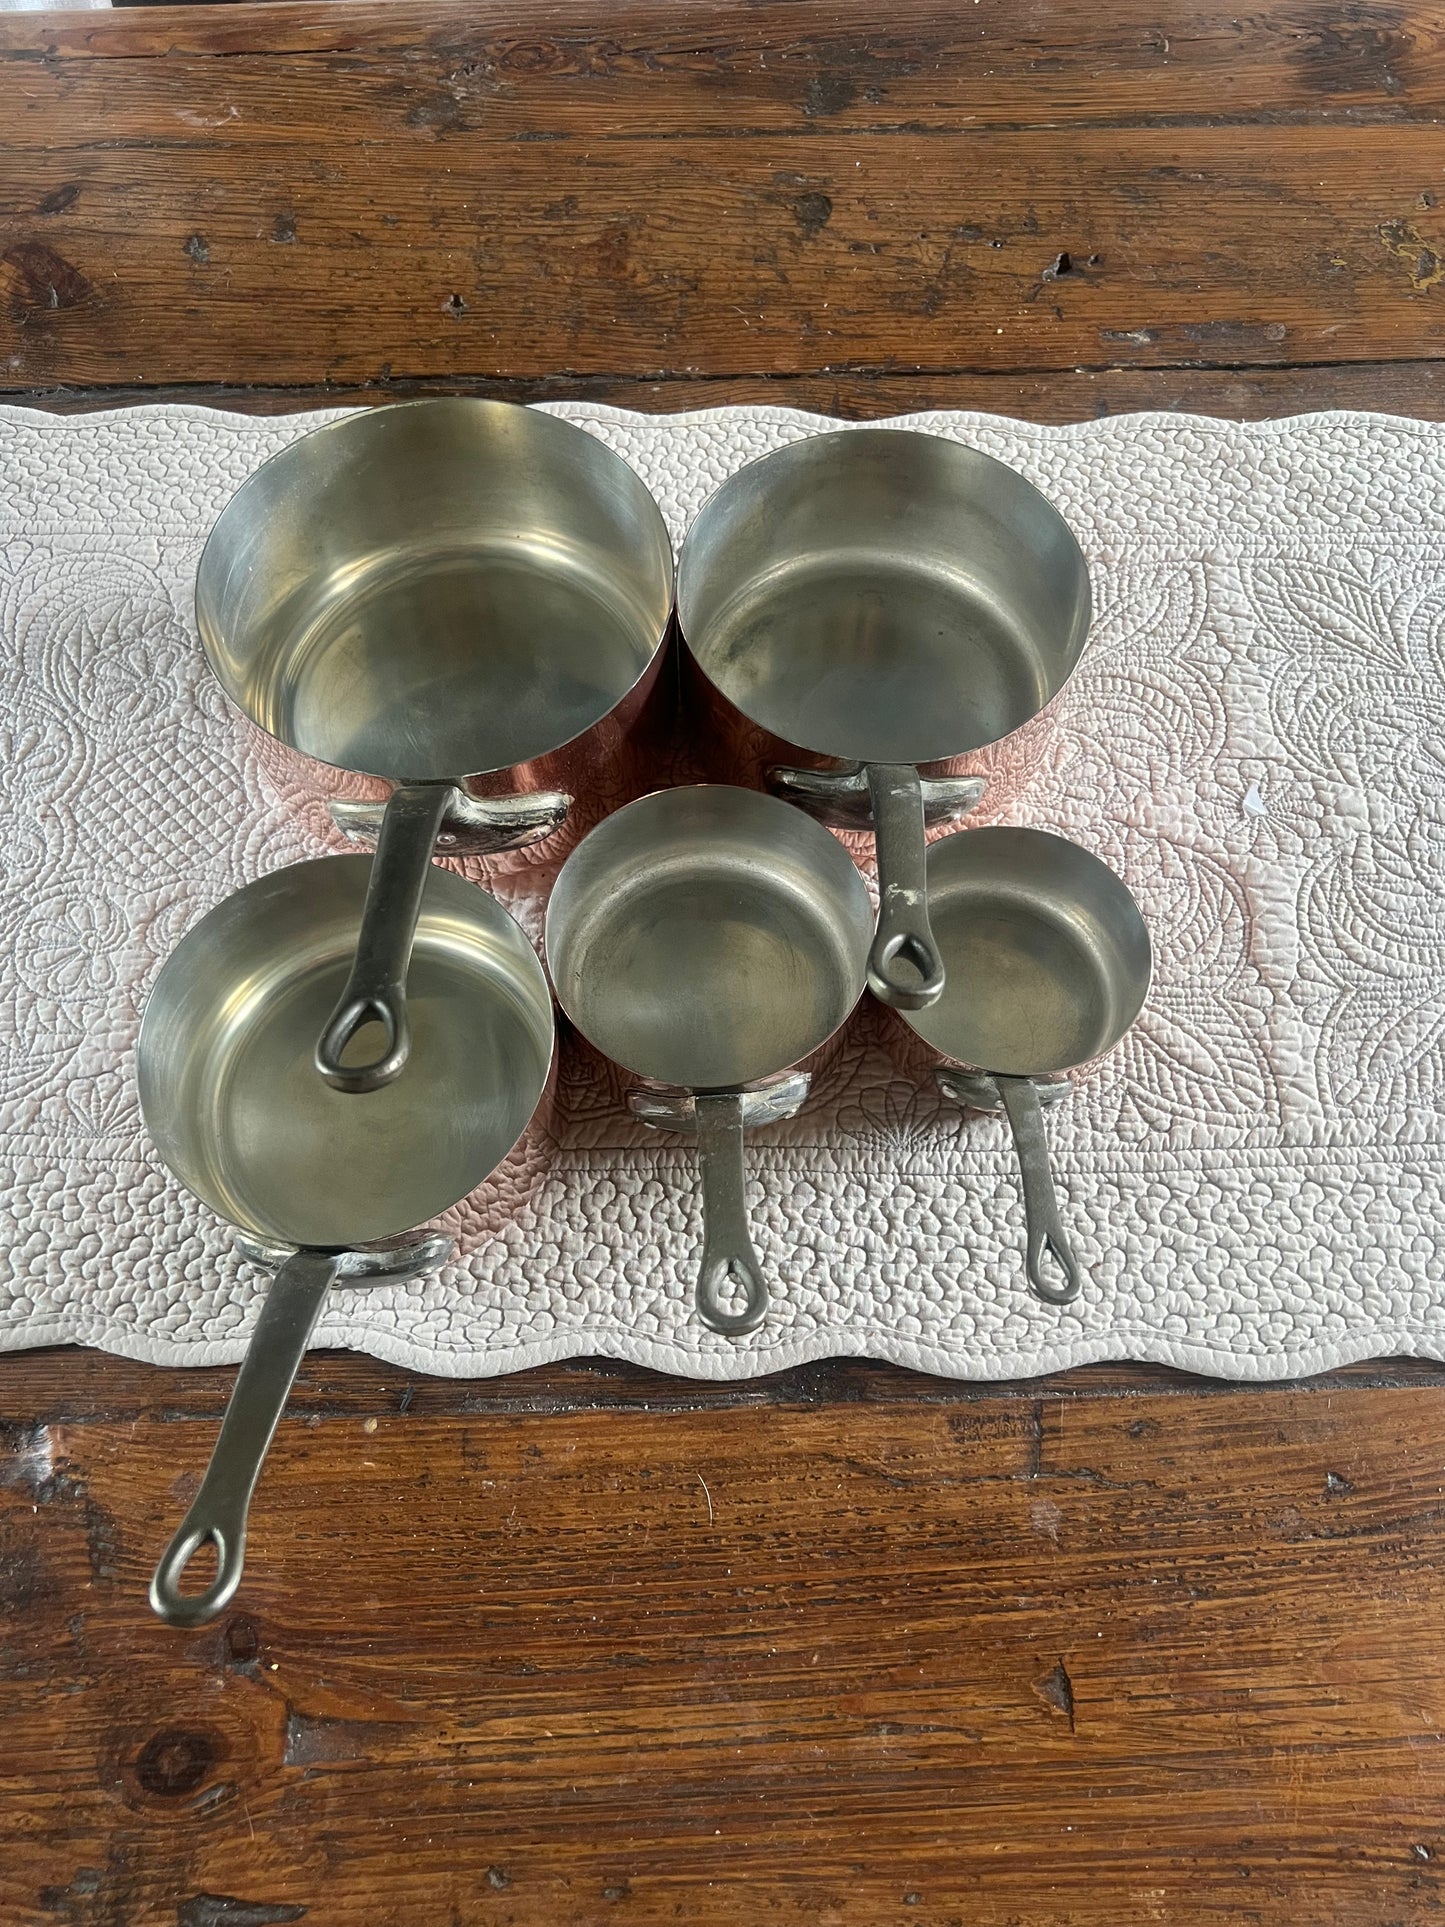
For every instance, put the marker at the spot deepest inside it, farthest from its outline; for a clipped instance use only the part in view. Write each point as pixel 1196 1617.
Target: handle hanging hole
pixel 1042 1284
pixel 195 1551
pixel 733 1287
pixel 908 964
pixel 365 1044
pixel 905 970
pixel 201 1570
pixel 732 1297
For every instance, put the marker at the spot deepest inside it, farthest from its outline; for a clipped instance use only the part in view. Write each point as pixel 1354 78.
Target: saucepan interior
pixel 883 596
pixel 435 590
pixel 708 937
pixel 235 1107
pixel 1048 956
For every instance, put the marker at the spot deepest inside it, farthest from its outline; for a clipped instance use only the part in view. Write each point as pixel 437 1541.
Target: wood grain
pixel 61 1385
pixel 695 66
pixel 507 205
pixel 1410 388
pixel 1065 1661
pixel 387 260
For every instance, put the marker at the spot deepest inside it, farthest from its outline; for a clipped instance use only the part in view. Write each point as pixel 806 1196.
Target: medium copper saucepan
pixel 708 940
pixel 318 1186
pixel 888 600
pixel 465 601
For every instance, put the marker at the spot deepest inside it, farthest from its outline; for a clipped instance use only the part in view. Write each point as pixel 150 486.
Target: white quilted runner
pixel 1255 739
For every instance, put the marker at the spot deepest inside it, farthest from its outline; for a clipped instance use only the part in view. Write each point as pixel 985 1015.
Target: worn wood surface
pixel 1414 388
pixel 847 1645
pixel 354 194
pixel 531 267
pixel 1031 1660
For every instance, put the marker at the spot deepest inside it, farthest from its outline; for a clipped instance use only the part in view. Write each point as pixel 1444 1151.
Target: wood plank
pixel 659 67
pixel 1065 1661
pixel 1410 388
pixel 869 198
pixel 359 263
pixel 77 1386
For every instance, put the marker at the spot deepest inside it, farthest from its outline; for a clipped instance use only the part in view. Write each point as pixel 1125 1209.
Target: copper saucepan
pixel 1049 963
pixel 709 940
pixel 464 601
pixel 321 1188
pixel 889 601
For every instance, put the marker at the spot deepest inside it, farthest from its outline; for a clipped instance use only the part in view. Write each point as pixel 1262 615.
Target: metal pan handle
pixel 839 797
pixel 1041 1207
pixel 376 989
pixel 218 1513
pixel 474 825
pixel 728 1256
pixel 904 965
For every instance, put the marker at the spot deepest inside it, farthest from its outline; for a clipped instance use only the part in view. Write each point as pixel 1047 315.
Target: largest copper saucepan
pixel 886 600
pixel 465 601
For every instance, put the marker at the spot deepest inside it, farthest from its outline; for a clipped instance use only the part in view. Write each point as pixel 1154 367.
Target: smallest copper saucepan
pixel 1048 964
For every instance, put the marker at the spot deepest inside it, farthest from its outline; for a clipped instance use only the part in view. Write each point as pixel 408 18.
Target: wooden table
pixel 846 1646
